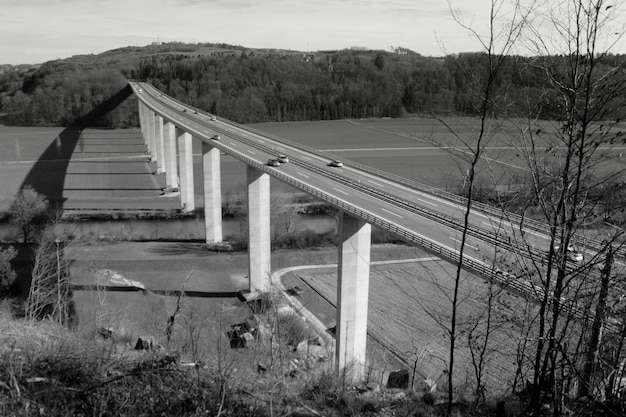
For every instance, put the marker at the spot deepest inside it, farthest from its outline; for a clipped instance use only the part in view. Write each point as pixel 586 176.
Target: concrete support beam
pixel 143 124
pixel 159 145
pixel 212 193
pixel 259 250
pixel 151 142
pixel 352 296
pixel 185 164
pixel 171 161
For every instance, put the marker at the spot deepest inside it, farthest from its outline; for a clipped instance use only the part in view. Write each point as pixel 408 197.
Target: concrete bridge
pixel 364 197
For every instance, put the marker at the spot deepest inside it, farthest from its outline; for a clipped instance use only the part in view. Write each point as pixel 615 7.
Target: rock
pixel 261 368
pixel 318 352
pixel 105 333
pixel 316 341
pixel 373 386
pixel 398 379
pixel 430 385
pixel 302 347
pixel 295 290
pixel 146 343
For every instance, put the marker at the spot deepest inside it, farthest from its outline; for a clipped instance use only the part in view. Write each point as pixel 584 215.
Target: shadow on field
pixel 47 176
pixel 167 293
pixel 182 248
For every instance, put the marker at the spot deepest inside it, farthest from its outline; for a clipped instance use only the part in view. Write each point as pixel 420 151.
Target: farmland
pixel 408 305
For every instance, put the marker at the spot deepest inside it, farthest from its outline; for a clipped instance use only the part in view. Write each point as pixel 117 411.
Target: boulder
pixel 398 379
pixel 146 343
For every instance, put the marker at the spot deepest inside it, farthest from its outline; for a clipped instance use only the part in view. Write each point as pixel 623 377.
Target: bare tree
pixel 497 44
pixel 573 171
pixel 50 292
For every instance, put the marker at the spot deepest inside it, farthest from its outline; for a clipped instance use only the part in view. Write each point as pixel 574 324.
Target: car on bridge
pixel 336 163
pixel 212 118
pixel 571 253
pixel 273 162
pixel 283 159
pixel 215 137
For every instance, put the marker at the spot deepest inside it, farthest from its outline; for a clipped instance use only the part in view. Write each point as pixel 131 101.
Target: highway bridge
pixel 421 215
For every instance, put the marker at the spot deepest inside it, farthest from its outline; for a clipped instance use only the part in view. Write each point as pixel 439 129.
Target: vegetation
pixel 247 85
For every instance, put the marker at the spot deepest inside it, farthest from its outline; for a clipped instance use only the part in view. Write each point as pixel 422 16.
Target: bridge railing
pixel 504 279
pixel 515 218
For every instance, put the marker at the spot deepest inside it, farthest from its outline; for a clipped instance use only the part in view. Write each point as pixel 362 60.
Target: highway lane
pixel 386 211
pixel 235 135
pixel 348 192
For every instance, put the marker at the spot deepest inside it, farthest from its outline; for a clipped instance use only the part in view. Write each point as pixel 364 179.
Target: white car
pixel 215 137
pixel 336 163
pixel 283 159
pixel 212 118
pixel 571 254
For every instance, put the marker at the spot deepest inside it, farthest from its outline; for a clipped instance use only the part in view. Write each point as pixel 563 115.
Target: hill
pixel 262 85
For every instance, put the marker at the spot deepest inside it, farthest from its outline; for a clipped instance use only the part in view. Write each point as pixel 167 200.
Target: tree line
pixel 249 86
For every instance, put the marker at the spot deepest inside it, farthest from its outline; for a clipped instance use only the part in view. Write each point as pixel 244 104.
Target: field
pixel 54 161
pixel 409 304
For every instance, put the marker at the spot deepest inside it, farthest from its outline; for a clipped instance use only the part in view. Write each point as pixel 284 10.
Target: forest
pixel 252 86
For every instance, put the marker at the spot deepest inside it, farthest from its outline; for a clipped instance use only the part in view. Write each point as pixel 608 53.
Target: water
pixel 190 228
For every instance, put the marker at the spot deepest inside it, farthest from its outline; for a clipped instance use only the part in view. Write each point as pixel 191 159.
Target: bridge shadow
pixel 198 249
pixel 47 176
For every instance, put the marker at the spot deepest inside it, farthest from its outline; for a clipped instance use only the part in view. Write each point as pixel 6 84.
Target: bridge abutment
pixel 352 296
pixel 259 250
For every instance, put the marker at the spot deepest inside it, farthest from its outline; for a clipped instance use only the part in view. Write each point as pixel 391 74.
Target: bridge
pixel 364 197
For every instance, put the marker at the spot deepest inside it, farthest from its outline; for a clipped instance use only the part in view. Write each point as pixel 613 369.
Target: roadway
pixel 239 143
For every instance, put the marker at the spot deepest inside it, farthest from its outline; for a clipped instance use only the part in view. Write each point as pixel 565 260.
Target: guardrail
pixel 522 221
pixel 505 280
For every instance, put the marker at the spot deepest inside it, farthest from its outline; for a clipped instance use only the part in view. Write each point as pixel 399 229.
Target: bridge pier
pixel 171 163
pixel 185 164
pixel 151 141
pixel 212 193
pixel 143 122
pixel 352 296
pixel 259 250
pixel 159 147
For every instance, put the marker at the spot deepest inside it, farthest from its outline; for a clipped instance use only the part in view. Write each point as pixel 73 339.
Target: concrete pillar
pixel 159 146
pixel 171 161
pixel 143 125
pixel 151 141
pixel 352 296
pixel 212 193
pixel 185 164
pixel 259 250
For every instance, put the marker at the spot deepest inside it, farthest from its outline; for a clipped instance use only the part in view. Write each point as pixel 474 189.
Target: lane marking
pixel 343 192
pixel 476 248
pixel 375 183
pixel 426 201
pixel 391 212
pixel 304 175
pixel 249 151
pixel 279 148
pixel 233 143
pixel 304 157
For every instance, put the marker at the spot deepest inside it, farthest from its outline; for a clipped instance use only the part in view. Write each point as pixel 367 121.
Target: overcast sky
pixel 34 31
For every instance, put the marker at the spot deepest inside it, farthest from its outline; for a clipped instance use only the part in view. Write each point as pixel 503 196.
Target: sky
pixel 35 31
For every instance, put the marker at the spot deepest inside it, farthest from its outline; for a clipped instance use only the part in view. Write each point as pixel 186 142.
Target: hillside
pixel 262 85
